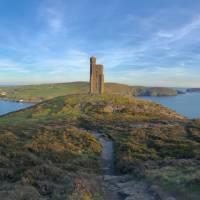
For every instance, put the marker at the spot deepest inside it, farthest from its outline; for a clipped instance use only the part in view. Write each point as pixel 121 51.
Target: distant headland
pixel 193 90
pixel 96 85
pixel 38 93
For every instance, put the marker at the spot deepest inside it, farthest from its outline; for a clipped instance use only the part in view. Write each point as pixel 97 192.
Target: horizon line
pixel 47 83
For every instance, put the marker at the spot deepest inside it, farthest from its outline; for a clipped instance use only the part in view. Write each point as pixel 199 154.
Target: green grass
pixel 50 146
pixel 180 179
pixel 44 156
pixel 37 93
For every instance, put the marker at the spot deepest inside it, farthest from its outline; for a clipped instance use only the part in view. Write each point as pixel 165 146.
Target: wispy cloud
pixel 52 14
pixel 137 44
pixel 11 66
pixel 180 33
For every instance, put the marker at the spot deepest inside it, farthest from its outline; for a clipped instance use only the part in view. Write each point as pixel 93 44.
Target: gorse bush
pixel 48 149
pixel 49 160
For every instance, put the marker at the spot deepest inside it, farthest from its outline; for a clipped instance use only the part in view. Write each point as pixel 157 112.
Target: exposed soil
pixel 107 154
pixel 118 187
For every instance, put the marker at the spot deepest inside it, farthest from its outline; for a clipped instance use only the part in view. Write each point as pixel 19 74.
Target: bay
pixel 186 104
pixel 10 106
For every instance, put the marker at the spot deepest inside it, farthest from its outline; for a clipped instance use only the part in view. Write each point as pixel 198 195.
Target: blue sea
pixel 186 104
pixel 9 106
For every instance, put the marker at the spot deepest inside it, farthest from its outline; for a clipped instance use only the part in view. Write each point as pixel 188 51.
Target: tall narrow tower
pixel 96 77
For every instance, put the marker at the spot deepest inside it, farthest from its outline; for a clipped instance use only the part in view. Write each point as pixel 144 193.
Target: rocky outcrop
pixel 124 187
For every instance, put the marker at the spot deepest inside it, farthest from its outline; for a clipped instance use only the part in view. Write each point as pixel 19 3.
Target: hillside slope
pixel 37 93
pixel 48 152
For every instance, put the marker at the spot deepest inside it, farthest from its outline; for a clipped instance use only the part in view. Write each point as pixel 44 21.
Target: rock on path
pixel 126 188
pixel 119 187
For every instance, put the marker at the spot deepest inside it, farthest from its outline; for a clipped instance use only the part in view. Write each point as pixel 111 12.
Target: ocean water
pixel 9 106
pixel 186 104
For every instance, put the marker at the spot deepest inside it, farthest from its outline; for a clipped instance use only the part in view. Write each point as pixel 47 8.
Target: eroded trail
pixel 107 166
pixel 119 187
pixel 107 155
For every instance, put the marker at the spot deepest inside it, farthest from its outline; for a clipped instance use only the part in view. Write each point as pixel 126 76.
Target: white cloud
pixel 11 66
pixel 158 76
pixel 180 33
pixel 54 48
pixel 163 34
pixel 53 16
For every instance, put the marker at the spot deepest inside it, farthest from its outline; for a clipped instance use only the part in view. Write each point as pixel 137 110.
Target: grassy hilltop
pixel 47 151
pixel 37 93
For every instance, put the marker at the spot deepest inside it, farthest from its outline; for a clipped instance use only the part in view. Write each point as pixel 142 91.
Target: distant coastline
pixel 39 93
pixel 193 90
pixel 18 101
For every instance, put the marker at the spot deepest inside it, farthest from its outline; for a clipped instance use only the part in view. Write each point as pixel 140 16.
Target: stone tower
pixel 96 77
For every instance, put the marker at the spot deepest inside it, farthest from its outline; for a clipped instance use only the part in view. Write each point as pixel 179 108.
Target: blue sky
pixel 140 42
